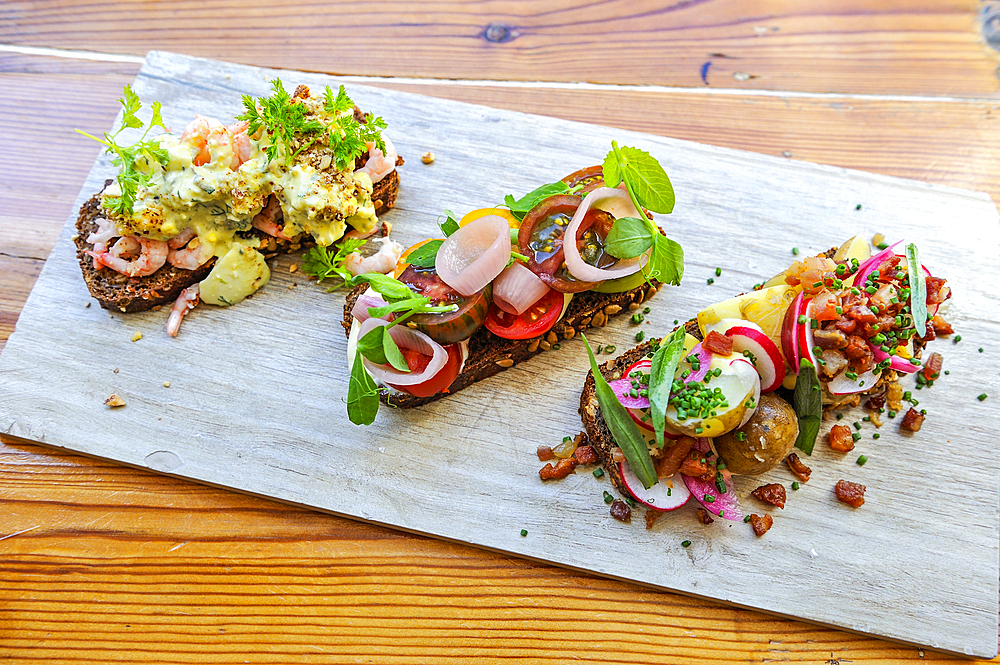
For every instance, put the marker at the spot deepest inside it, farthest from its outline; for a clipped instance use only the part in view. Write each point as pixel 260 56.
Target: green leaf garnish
pixel 918 290
pixel 661 379
pixel 808 402
pixel 362 394
pixel 628 238
pixel 623 429
pixel 644 176
pixel 128 158
pixel 449 225
pixel 379 347
pixel 523 205
pixel 391 289
pixel 425 255
pixel 323 263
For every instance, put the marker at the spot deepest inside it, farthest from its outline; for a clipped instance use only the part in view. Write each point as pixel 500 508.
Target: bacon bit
pixel 856 348
pixel 861 314
pixel 912 421
pixel 932 368
pixel 894 396
pixel 651 517
pixel 941 327
pixel 670 463
pixel 761 524
pixel 694 465
pixel 585 455
pixel 717 343
pixel 560 471
pixel 704 517
pixel 853 494
pixel 545 453
pixel 876 402
pixel 772 493
pixel 830 339
pixel 621 511
pixel 798 467
pixel 841 439
pixel 846 326
pixel 937 292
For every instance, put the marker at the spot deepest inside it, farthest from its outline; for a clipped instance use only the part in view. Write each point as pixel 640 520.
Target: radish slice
pixel 364 301
pixel 789 336
pixel 897 363
pixel 405 338
pixel 616 202
pixel 474 254
pixel 663 496
pixel 767 358
pixel 704 359
pixel 623 386
pixel 724 325
pixel 871 264
pixel 517 288
pixel 805 333
pixel 718 504
pixel 841 385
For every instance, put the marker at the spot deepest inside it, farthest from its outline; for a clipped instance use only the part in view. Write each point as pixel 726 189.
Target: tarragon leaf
pixel 661 379
pixel 918 290
pixel 808 402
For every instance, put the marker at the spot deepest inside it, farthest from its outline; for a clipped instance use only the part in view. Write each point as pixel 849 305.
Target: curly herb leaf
pixel 323 263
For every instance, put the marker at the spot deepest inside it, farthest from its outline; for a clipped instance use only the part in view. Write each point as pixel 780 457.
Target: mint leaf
pixel 647 180
pixel 661 379
pixel 425 255
pixel 667 261
pixel 391 289
pixel 523 205
pixel 449 225
pixel 362 394
pixel 612 174
pixel 623 429
pixel 629 237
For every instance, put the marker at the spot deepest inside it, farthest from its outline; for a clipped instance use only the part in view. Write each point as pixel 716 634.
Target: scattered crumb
pixel 114 401
pixel 166 384
pixel 115 370
pixel 136 336
pixel 293 267
pixel 87 305
pixel 427 158
pixel 156 308
pixel 878 239
pixel 291 286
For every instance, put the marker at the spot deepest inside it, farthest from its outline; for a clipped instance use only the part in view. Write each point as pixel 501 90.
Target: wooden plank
pixel 307 466
pixel 847 46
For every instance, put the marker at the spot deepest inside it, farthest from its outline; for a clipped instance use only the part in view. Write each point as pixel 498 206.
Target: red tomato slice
pixel 591 178
pixel 536 320
pixel 416 361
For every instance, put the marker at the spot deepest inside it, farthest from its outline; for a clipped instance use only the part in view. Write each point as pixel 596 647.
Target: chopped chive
pixel 856 436
pixel 795 485
pixel 686 543
pixel 856 424
pixel 718 272
pixel 556 347
pixel 746 519
pixel 639 336
pixel 608 498
pixel 982 397
pixel 710 281
pixel 876 435
pixel 524 532
pixel 795 251
pixel 598 472
pixel 862 460
pixel 958 338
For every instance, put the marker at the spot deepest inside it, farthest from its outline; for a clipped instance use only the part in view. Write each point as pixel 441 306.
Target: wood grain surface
pixel 294 462
pixel 90 550
pixel 919 47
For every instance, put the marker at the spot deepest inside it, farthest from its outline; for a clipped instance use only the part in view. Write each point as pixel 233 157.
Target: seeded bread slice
pixel 490 354
pixel 118 292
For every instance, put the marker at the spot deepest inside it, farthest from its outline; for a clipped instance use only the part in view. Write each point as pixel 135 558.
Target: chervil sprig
pixel 323 263
pixel 130 177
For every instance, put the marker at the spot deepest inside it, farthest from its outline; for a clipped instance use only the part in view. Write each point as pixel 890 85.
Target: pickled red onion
pixel 474 254
pixel 517 288
pixel 405 338
pixel 613 201
pixel 364 301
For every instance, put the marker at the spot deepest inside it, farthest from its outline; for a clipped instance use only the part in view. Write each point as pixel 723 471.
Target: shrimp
pixel 185 302
pixel 365 261
pixel 239 141
pixel 152 254
pixel 181 238
pixel 205 133
pixel 189 256
pixel 379 164
pixel 106 230
pixel 267 219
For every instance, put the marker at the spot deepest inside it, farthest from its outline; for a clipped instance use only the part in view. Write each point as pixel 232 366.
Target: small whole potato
pixel 767 438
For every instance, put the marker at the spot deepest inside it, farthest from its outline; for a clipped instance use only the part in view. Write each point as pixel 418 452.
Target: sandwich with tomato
pixel 509 282
pixel 746 381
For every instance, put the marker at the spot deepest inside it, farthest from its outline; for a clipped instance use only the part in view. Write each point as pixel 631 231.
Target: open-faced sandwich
pixel 505 284
pixel 737 388
pixel 193 216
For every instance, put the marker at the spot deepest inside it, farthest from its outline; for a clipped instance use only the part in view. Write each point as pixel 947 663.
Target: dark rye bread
pixel 489 354
pixel 598 435
pixel 118 292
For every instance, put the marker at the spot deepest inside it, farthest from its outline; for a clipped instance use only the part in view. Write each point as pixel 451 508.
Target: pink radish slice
pixel 704 358
pixel 725 505
pixel 895 362
pixel 841 385
pixel 789 336
pixel 623 386
pixel 638 415
pixel 663 496
pixel 805 333
pixel 769 363
pixel 871 264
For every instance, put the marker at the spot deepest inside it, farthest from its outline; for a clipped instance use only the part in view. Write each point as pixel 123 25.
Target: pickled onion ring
pixel 517 288
pixel 405 338
pixel 474 254
pixel 618 203
pixel 364 301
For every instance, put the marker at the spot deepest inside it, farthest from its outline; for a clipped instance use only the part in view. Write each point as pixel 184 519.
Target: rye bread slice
pixel 118 292
pixel 490 354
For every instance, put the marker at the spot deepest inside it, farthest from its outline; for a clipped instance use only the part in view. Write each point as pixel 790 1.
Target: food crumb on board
pixel 136 336
pixel 427 158
pixel 114 401
pixel 166 384
pixel 114 371
pixel 292 268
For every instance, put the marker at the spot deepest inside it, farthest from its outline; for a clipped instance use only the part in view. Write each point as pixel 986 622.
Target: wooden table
pixel 102 563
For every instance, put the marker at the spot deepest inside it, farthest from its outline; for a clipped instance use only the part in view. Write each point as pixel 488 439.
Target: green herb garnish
pixel 324 263
pixel 623 429
pixel 450 223
pixel 425 256
pixel 661 379
pixel 918 290
pixel 520 207
pixel 143 151
pixel 808 402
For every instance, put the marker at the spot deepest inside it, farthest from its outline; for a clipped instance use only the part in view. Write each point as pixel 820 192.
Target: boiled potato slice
pixel 740 386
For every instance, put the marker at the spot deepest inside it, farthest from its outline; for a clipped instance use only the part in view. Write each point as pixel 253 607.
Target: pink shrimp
pixel 240 143
pixel 267 219
pixel 367 260
pixel 190 256
pixel 152 254
pixel 106 231
pixel 205 133
pixel 379 164
pixel 185 302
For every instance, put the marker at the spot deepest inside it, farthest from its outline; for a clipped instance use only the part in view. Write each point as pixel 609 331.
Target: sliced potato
pixel 739 384
pixel 764 441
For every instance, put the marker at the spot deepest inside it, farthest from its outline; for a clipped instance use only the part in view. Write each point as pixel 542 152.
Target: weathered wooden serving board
pixel 256 392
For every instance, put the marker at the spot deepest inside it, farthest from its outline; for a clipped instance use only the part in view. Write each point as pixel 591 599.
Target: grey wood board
pixel 256 392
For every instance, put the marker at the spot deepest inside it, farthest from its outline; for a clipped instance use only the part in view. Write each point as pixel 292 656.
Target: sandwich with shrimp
pixel 193 217
pixel 508 282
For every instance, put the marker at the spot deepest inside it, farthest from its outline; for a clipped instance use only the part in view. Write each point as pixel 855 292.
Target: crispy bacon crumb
pixel 772 493
pixel 621 511
pixel 853 494
pixel 912 421
pixel 651 517
pixel 940 326
pixel 841 439
pixel 932 368
pixel 585 455
pixel 559 471
pixel 717 343
pixel 798 467
pixel 704 517
pixel 545 453
pixel 761 524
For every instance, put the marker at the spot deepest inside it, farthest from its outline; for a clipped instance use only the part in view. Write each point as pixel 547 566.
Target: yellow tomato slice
pixel 512 221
